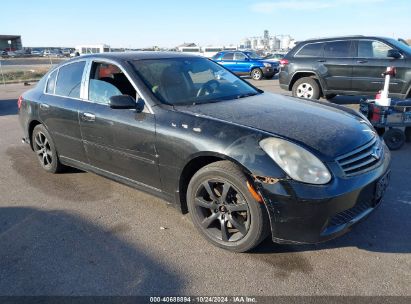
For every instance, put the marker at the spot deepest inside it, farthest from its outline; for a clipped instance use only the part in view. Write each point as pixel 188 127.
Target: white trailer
pixel 91 49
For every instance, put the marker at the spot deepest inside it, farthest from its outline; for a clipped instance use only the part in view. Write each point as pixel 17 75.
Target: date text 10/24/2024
pixel 205 299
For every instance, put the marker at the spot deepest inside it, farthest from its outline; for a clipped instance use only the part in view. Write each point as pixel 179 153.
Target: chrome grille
pixel 362 159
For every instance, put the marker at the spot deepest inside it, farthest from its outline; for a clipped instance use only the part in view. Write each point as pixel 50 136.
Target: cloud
pixel 269 7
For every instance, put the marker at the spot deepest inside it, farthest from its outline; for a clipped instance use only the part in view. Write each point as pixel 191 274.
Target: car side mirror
pixel 122 102
pixel 140 104
pixel 394 54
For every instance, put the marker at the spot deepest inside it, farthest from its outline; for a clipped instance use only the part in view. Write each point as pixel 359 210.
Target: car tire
pixel 330 96
pixel 235 220
pixel 394 138
pixel 256 74
pixel 45 150
pixel 306 87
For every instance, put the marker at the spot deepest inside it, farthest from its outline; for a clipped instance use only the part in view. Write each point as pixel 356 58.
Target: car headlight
pixel 297 162
pixel 267 65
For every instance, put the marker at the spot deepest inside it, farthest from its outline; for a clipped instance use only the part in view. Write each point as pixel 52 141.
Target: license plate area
pixel 381 186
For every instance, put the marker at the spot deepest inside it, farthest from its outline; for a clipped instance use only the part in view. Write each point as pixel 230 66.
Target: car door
pixel 227 60
pixel 59 109
pixel 242 63
pixel 119 141
pixel 338 62
pixel 371 62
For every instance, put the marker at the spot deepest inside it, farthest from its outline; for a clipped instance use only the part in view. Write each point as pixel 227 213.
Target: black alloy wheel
pixel 45 150
pixel 223 210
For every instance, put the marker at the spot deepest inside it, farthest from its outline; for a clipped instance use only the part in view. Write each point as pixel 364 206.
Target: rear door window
pixel 311 50
pixel 69 80
pixel 337 49
pixel 51 83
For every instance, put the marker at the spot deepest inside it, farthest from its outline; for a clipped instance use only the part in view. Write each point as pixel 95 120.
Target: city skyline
pixel 137 24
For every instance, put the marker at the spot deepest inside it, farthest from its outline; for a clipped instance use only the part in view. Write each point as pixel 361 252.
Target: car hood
pixel 329 130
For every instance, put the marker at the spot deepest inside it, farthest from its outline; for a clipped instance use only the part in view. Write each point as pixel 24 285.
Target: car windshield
pixel 184 81
pixel 253 55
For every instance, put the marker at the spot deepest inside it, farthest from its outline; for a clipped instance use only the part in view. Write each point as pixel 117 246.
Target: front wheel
pixel 306 87
pixel 223 210
pixel 257 74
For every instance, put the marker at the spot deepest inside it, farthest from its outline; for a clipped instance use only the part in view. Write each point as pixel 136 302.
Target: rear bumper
pixel 269 71
pixel 284 80
pixel 302 213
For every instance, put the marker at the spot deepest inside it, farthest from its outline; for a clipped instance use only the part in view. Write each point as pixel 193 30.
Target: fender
pixel 321 82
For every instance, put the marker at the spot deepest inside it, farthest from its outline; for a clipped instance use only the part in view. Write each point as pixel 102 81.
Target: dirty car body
pixel 192 113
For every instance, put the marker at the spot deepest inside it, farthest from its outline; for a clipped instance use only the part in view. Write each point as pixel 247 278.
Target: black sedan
pixel 244 163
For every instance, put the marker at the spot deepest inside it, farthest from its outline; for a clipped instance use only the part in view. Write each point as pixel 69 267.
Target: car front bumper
pixel 304 213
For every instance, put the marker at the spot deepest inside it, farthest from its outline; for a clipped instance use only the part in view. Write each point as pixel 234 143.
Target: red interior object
pixel 376 114
pixel 19 102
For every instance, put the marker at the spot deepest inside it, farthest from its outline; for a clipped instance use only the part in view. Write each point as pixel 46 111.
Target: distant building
pixel 15 42
pixel 92 49
pixel 191 48
pixel 267 42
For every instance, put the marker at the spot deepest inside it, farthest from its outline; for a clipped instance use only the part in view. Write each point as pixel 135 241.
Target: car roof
pixel 231 51
pixel 140 55
pixel 343 38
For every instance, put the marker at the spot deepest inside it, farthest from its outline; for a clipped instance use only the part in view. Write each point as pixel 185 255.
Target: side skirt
pixel 121 179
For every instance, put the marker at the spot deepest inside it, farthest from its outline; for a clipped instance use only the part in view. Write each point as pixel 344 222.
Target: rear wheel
pixel 223 210
pixel 306 87
pixel 45 150
pixel 394 138
pixel 256 74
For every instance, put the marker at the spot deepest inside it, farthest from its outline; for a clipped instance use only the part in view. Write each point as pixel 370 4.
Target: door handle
pixel 362 61
pixel 44 106
pixel 88 117
pixel 321 60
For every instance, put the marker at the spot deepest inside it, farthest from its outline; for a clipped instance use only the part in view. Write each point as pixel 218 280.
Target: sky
pixel 135 24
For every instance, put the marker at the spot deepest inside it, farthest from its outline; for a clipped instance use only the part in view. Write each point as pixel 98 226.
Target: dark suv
pixel 347 66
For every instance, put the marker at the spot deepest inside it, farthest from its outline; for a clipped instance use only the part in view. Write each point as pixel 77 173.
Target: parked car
pixel 36 53
pixel 345 65
pixel 274 57
pixel 247 63
pixel 243 162
pixel 66 52
pixel 12 54
pixel 4 54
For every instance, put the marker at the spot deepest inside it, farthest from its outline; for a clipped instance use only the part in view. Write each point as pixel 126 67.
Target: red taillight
pixel 19 102
pixel 376 114
pixel 283 62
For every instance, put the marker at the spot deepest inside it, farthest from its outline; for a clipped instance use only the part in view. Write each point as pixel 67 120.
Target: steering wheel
pixel 208 87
